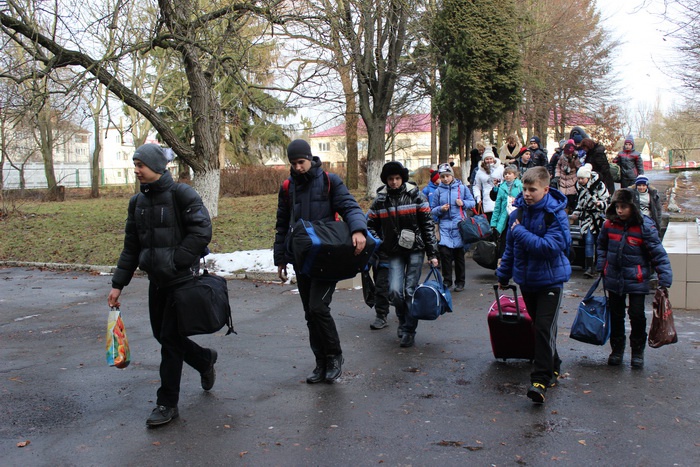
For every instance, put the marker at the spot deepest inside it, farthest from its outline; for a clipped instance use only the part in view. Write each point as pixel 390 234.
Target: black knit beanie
pixel 152 156
pixel 299 149
pixel 394 168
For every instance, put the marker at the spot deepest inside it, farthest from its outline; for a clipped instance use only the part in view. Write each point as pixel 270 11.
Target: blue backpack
pixel 431 299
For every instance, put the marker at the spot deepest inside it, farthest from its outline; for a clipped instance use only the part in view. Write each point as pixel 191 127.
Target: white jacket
pixel 483 183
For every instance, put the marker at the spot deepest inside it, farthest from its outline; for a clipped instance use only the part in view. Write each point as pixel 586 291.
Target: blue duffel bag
pixel 431 299
pixel 592 322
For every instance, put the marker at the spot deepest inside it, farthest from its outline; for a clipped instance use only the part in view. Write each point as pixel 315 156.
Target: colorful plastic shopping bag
pixel 118 354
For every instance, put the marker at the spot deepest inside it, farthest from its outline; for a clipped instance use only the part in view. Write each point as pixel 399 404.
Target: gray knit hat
pixel 152 156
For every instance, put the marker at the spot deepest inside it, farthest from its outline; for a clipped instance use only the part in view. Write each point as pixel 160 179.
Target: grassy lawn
pixel 91 231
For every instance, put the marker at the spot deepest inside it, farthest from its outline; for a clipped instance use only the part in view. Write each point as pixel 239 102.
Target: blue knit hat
pixel 642 180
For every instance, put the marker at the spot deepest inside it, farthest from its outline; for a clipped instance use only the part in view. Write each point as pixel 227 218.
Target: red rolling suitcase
pixel 510 327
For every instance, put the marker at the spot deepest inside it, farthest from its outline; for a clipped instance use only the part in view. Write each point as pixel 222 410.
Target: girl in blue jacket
pixel 448 205
pixel 629 250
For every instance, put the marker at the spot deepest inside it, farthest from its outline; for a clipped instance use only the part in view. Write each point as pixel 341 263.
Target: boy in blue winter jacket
pixel 536 258
pixel 449 204
pixel 629 251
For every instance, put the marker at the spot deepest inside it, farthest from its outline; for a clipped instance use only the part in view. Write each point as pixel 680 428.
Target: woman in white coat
pixel 490 173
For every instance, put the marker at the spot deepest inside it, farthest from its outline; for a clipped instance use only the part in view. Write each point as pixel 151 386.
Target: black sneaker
pixel 209 376
pixel 379 323
pixel 162 415
pixel 459 288
pixel 407 340
pixel 536 393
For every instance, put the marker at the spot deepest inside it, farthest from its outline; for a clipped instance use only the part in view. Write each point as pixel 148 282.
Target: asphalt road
pixel 446 401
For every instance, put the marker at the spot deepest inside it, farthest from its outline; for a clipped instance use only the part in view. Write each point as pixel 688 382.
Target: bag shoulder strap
pixel 593 288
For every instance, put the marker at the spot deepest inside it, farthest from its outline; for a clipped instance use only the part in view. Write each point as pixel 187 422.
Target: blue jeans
pixel 404 274
pixel 590 244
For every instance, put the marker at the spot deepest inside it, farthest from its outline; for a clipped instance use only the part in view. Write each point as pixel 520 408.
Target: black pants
pixel 174 348
pixel 638 320
pixel 381 289
pixel 543 307
pixel 447 256
pixel 316 296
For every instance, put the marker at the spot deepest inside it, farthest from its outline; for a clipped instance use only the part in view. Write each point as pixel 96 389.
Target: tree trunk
pixel 375 155
pixel 95 161
pixel 462 144
pixel 351 119
pixel 444 138
pixel 46 147
pixel 207 184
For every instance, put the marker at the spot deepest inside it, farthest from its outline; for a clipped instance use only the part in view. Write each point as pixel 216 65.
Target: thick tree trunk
pixel 375 155
pixel 207 185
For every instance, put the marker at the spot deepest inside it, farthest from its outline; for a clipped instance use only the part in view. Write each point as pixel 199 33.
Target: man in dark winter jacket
pixel 400 216
pixel 596 156
pixel 630 162
pixel 167 232
pixel 578 134
pixel 314 195
pixel 539 155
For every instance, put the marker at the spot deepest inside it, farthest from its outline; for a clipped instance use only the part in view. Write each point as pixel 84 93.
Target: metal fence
pixel 68 175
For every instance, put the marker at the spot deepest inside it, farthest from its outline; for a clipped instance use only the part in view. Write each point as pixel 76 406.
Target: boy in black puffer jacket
pixel 168 246
pixel 314 195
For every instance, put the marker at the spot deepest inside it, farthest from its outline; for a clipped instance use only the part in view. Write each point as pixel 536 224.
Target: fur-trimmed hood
pixel 624 196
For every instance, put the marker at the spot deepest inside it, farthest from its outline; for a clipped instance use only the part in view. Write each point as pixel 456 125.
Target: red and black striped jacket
pixel 403 208
pixel 628 252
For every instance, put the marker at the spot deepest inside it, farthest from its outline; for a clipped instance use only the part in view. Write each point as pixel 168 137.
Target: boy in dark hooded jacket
pixel 314 195
pixel 536 258
pixel 167 245
pixel 629 251
pixel 400 209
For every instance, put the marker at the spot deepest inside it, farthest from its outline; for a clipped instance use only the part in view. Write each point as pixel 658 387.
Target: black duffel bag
pixel 486 254
pixel 202 305
pixel 323 250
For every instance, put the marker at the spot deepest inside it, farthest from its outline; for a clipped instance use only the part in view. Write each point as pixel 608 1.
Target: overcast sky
pixel 643 58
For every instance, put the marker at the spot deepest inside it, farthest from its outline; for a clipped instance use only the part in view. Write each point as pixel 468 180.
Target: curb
pixel 108 270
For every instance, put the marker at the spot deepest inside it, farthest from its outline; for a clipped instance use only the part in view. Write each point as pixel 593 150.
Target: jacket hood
pixel 626 196
pixel 578 133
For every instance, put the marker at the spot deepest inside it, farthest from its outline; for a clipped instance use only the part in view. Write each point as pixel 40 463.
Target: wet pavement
pixel 446 401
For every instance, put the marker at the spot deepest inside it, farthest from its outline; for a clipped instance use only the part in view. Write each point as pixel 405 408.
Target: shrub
pixel 252 180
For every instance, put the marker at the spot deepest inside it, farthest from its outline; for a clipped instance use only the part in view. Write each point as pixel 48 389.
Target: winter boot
pixel 638 352
pixel 589 272
pixel 618 351
pixel 333 367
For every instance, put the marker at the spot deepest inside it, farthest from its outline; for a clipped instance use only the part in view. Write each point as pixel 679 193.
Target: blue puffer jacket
pixel 629 251
pixel 536 255
pixel 449 194
pixel 317 196
pixel 428 193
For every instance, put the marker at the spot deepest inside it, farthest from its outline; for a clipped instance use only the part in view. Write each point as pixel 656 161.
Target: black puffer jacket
pixel 317 196
pixel 403 208
pixel 154 241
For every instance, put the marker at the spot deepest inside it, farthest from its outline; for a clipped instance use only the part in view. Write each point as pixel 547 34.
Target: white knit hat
pixel 584 171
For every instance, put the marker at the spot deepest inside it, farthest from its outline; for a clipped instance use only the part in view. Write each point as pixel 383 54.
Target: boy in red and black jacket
pixel 629 251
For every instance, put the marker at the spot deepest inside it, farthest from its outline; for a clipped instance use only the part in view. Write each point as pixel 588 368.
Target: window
pixel 341 146
pixel 324 147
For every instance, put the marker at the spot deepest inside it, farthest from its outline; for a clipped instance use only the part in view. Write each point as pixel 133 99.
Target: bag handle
pixel 435 272
pixel 459 196
pixel 593 288
pixel 514 288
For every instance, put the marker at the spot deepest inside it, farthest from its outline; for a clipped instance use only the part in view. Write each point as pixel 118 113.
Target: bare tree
pixel 197 34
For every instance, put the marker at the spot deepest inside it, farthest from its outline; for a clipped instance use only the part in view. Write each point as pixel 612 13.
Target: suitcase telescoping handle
pixel 514 288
